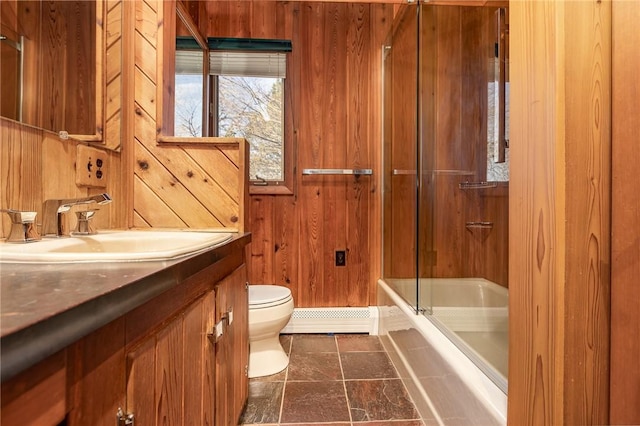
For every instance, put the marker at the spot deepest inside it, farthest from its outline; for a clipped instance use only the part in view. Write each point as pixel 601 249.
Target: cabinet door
pixel 141 367
pixel 96 376
pixel 170 375
pixel 232 348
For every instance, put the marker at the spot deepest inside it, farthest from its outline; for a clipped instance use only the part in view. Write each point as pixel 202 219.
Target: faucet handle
pixel 84 225
pixel 23 226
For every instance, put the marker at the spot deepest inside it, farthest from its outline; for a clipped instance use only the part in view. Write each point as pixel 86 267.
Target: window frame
pixel 256 186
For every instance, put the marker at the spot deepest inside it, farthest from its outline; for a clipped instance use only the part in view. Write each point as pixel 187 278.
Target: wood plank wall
pixel 176 185
pixel 37 165
pixel 333 77
pixel 625 244
pixel 559 212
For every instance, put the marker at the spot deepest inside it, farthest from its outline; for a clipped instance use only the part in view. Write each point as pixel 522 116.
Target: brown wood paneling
pixel 588 212
pixel 559 213
pixel 38 165
pixel 625 242
pixel 199 185
pixel 335 56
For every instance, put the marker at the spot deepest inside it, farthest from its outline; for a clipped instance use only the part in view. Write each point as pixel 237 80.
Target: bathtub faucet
pixel 53 213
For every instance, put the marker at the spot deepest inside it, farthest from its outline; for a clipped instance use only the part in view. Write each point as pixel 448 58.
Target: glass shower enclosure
pixel 445 168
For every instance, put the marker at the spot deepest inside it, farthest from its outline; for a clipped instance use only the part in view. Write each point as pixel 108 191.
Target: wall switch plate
pixel 341 258
pixel 91 167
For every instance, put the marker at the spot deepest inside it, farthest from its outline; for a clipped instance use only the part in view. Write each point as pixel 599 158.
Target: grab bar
pixel 337 172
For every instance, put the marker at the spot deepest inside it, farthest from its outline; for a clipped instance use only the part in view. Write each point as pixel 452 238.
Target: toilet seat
pixel 266 296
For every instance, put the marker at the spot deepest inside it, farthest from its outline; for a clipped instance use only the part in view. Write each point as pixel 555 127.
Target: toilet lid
pixel 260 295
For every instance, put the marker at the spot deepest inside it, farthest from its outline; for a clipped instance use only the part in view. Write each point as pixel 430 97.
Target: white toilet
pixel 270 307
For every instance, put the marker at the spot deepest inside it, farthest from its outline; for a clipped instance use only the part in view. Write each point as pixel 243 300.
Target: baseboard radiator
pixel 333 320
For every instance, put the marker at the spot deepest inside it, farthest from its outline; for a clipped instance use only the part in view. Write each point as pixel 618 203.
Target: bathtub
pixel 448 380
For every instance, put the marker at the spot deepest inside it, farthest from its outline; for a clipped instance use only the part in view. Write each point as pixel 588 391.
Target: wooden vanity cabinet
pixel 160 362
pixel 186 375
pixel 170 374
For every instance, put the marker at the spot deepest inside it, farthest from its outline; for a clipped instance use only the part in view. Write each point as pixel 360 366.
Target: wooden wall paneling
pixel 170 190
pixel 183 177
pixel 588 240
pixel 328 75
pixel 213 159
pixel 215 207
pixel 536 204
pixel 262 249
pixel 19 142
pixel 334 138
pixel 559 232
pixel 113 65
pixel 359 57
pixel 625 243
pixel 312 91
pixel 378 30
pixel 152 210
pixel 286 230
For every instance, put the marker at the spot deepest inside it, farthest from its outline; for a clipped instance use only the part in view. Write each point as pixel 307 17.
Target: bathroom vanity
pixel 158 342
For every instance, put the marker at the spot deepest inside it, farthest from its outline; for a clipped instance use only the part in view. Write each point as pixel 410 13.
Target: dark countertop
pixel 46 307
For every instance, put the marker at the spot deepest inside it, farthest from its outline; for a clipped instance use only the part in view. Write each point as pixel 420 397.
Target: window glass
pixel 252 108
pixel 188 118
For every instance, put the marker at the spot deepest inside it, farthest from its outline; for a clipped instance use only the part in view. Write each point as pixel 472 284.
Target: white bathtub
pixel 449 381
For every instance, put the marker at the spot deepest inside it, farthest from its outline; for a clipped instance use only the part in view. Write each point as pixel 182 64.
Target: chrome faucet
pixel 53 213
pixel 23 226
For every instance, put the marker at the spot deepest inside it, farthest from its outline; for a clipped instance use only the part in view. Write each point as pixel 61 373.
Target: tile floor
pixel 333 380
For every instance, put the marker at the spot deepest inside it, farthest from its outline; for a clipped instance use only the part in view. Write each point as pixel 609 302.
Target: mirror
pixel 51 65
pixel 183 113
pixel 498 97
pixel 189 118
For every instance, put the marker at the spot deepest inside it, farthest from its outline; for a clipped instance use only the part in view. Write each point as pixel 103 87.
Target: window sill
pixel 269 190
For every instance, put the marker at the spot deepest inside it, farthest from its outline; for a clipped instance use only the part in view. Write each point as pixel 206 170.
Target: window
pixel 248 89
pixel 246 99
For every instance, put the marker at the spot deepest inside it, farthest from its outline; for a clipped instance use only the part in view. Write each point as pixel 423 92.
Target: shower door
pixel 406 218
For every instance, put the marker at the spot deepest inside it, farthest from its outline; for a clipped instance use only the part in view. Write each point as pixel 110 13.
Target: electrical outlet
pixel 341 258
pixel 91 167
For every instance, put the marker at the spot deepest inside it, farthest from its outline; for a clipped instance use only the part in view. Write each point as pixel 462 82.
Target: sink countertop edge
pixel 24 346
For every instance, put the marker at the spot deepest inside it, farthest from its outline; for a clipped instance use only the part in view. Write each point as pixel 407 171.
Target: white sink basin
pixel 113 246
